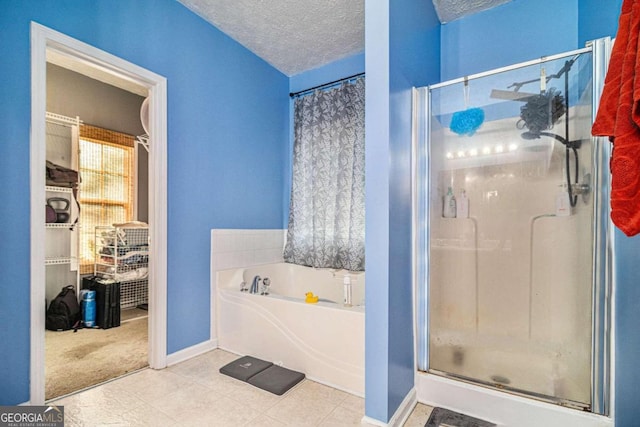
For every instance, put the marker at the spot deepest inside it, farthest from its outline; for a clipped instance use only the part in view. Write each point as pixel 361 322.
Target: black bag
pixel 59 176
pixel 107 301
pixel 64 311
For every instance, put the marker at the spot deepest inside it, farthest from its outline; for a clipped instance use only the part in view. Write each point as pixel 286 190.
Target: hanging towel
pixel 618 118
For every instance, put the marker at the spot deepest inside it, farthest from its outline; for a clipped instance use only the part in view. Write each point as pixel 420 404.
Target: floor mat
pixel 441 417
pixel 276 379
pixel 244 368
pixel 262 374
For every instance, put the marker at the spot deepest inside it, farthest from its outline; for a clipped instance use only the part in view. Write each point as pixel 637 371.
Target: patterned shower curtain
pixel 326 213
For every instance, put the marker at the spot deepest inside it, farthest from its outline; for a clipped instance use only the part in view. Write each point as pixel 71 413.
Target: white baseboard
pixel 190 352
pixel 400 416
pixel 367 421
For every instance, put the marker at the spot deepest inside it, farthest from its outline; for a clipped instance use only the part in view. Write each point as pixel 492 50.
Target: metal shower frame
pixel 603 277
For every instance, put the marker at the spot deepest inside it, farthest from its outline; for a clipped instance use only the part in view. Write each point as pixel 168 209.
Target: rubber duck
pixel 311 299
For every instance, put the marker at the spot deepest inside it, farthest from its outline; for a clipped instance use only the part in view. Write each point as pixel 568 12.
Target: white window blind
pixel 107 189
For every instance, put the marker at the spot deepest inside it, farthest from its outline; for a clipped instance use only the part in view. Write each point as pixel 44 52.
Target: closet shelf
pixel 66 225
pixel 58 189
pixel 57 260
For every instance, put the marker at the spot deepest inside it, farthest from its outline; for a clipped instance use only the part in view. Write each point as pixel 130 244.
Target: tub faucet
pixel 265 286
pixel 255 285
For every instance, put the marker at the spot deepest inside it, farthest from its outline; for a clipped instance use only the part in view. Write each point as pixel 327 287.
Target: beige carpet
pixel 77 360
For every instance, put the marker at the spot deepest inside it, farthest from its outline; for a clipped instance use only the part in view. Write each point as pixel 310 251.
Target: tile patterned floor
pixel 194 393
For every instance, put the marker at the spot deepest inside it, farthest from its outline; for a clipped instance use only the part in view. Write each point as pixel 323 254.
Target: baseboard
pixel 400 416
pixel 191 352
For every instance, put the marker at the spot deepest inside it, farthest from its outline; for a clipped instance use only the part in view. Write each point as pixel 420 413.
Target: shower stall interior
pixel 513 227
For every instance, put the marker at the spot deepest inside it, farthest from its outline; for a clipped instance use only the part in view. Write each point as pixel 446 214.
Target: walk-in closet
pixel 96 241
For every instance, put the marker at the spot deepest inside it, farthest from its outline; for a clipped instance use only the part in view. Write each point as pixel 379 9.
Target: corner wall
pixel 227 138
pixel 402 39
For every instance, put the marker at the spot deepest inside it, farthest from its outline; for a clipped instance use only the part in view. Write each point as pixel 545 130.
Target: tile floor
pixel 194 393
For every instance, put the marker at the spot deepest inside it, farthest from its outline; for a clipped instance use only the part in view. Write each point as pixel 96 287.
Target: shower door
pixel 513 231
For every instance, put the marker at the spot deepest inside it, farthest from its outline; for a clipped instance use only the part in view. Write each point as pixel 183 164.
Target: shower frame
pixel 603 277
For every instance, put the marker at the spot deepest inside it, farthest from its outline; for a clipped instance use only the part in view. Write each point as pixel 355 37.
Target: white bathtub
pixel 323 340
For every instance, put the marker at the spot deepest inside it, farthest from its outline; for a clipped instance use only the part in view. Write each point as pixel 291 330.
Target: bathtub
pixel 323 340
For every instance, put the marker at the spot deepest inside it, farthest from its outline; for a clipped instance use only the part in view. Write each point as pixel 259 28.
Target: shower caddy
pixel 122 255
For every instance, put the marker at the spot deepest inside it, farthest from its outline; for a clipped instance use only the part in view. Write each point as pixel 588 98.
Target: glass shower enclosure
pixel 514 231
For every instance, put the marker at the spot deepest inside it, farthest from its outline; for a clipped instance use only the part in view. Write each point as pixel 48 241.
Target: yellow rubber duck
pixel 311 299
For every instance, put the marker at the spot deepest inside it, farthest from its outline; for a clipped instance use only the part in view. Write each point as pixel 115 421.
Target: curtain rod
pixel 292 94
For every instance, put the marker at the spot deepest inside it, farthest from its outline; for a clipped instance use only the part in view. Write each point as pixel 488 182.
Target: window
pixel 107 189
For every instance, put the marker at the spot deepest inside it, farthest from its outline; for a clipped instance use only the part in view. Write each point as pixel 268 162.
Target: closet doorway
pixel 77 60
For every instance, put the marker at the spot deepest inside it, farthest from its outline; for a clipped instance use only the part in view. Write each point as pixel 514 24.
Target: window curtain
pixel 326 213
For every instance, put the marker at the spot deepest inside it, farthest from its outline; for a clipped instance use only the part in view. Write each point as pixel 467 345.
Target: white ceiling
pixel 292 35
pixel 449 10
pixel 299 35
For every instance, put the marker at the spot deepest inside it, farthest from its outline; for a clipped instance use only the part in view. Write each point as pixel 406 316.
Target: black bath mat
pixel 446 418
pixel 245 367
pixel 276 379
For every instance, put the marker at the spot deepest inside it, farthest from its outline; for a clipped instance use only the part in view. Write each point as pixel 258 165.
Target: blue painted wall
pixel 335 70
pixel 596 21
pixel 507 34
pixel 227 143
pixel 403 50
pixel 377 174
pixel 627 320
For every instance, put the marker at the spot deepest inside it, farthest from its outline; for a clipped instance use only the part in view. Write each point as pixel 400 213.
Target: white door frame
pixel 42 40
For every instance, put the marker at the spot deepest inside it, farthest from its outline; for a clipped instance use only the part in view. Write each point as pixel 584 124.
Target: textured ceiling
pixel 292 35
pixel 449 10
pixel 299 35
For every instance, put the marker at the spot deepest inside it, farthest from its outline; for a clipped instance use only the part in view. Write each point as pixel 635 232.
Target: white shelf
pixel 57 260
pixel 63 225
pixel 59 189
pixel 122 254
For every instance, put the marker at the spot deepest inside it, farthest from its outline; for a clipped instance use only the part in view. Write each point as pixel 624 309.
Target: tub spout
pixel 255 285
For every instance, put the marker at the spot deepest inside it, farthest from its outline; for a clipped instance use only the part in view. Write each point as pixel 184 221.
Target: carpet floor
pixel 74 361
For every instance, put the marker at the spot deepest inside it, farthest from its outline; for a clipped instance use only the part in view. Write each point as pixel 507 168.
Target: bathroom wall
pixel 513 32
pixel 227 142
pixel 394 32
pixel 335 70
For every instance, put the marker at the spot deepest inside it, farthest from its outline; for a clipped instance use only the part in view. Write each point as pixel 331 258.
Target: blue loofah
pixel 467 122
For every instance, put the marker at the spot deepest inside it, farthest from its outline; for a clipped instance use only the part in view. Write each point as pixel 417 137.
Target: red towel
pixel 619 118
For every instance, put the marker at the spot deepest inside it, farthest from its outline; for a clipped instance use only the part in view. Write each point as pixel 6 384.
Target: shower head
pixel 528 135
pixel 542 111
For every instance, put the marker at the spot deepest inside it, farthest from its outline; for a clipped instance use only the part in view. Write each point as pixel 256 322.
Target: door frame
pixel 44 39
